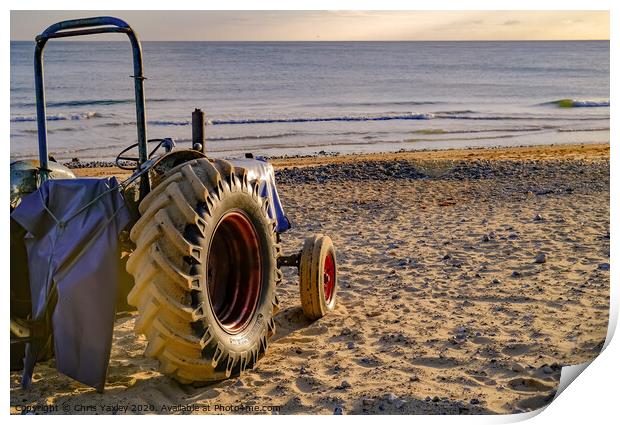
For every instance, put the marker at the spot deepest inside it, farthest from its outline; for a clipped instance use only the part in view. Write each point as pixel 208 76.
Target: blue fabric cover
pixel 259 168
pixel 74 253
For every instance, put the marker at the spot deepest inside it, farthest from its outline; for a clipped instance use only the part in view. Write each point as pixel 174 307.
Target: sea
pixel 299 98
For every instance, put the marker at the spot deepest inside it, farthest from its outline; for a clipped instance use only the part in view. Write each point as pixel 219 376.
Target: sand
pixel 443 307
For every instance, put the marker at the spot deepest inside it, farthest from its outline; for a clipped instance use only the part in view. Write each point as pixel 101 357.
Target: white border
pixel 592 398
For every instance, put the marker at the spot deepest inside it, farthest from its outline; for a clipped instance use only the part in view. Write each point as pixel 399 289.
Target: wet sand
pixel 467 279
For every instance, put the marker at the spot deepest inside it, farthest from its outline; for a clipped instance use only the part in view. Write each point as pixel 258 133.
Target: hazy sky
pixel 337 25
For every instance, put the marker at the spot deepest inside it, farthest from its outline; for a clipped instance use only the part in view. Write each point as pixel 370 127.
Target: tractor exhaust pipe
pixel 198 130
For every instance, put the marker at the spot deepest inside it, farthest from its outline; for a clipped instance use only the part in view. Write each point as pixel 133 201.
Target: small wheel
pixel 318 276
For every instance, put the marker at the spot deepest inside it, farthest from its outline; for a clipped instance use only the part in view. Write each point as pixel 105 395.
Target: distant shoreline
pixel 589 152
pixel 319 41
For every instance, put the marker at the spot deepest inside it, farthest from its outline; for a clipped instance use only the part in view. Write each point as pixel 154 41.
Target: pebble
pixel 516 274
pixel 538 217
pixel 338 410
pixel 541 258
pixel 486 238
pixel 392 397
pixel 351 345
pixel 603 266
pixel 496 281
pixel 343 385
pixel 405 169
pixel 474 401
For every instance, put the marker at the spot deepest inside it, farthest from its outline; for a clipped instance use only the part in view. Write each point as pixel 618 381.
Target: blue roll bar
pixel 87 26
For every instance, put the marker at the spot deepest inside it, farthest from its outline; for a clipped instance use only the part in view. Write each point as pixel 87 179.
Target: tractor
pixel 201 247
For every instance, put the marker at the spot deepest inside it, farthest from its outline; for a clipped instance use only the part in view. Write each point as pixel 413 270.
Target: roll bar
pixel 87 26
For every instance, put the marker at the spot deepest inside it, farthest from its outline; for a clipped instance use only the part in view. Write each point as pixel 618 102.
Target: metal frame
pixel 87 26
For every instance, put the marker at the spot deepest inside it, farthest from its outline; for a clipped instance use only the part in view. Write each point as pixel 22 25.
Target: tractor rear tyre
pixel 318 277
pixel 205 270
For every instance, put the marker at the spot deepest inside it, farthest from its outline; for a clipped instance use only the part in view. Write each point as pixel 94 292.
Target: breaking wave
pixel 59 117
pixel 408 116
pixel 578 103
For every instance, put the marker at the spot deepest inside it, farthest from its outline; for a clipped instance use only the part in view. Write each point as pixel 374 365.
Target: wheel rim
pixel 329 277
pixel 234 274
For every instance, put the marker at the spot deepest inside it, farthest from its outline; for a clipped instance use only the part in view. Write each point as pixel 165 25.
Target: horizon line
pixel 324 41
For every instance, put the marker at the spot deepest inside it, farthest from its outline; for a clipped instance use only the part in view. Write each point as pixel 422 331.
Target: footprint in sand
pixel 517 349
pixel 536 402
pixel 315 330
pixel 436 362
pixel 484 380
pixel 482 340
pixel 307 384
pixel 529 385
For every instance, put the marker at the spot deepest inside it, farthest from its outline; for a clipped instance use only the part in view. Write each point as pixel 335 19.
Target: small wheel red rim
pixel 329 277
pixel 234 273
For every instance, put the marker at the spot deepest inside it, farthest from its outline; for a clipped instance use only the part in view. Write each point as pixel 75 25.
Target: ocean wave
pixel 408 116
pixel 377 103
pixel 252 137
pixel 461 111
pixel 578 103
pixel 516 117
pixel 169 122
pixel 440 131
pixel 58 117
pixel 572 130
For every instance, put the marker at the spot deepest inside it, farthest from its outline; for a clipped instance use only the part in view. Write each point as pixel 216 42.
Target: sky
pixel 336 25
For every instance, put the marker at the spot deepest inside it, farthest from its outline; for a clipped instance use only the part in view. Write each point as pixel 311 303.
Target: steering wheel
pixel 167 143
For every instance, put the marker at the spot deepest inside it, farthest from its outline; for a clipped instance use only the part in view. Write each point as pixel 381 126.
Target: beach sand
pixel 442 305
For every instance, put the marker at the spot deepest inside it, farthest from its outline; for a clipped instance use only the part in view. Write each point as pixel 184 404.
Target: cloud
pixel 338 24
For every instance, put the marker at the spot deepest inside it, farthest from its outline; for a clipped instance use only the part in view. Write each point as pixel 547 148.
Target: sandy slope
pixel 442 307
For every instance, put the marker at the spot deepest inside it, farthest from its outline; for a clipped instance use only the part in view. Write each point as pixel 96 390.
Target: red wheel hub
pixel 329 277
pixel 234 274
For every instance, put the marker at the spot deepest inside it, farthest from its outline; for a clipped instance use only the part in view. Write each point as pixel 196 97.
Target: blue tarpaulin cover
pixel 259 169
pixel 72 243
